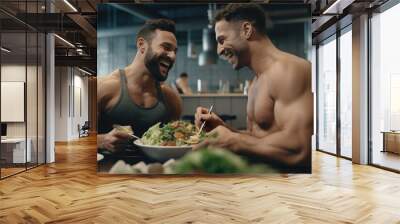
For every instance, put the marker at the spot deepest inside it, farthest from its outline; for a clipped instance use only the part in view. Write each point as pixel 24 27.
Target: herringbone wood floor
pixel 70 191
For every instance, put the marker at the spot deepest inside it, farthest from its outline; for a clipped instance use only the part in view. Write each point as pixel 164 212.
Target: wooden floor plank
pixel 70 191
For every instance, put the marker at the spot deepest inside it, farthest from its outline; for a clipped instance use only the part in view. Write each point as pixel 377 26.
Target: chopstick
pixel 120 128
pixel 134 136
pixel 204 122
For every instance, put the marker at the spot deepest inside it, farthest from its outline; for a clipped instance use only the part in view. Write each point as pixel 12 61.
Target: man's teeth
pixel 228 54
pixel 166 64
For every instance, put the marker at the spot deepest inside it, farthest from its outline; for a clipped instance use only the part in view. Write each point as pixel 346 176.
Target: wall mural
pixel 251 114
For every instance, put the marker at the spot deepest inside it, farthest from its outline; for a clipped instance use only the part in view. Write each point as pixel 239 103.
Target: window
pixel 22 74
pixel 385 88
pixel 327 96
pixel 346 92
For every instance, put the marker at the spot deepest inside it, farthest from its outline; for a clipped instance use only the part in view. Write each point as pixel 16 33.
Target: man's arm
pixel 101 95
pixel 100 137
pixel 106 87
pixel 245 132
pixel 292 144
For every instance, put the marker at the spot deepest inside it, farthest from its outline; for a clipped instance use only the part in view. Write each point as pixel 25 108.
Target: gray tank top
pixel 127 112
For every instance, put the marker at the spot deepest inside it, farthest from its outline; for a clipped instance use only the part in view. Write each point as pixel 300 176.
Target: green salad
pixel 217 160
pixel 176 133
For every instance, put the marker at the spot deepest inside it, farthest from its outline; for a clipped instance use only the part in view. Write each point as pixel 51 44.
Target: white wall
pixel 61 103
pixel 70 83
pixel 12 73
pixel 82 83
pixel 33 126
pixel 16 73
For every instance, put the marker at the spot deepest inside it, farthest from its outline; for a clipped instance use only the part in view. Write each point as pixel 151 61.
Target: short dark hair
pixel 252 13
pixel 183 75
pixel 148 29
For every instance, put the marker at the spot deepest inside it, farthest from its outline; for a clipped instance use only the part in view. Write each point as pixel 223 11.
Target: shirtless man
pixel 134 96
pixel 280 102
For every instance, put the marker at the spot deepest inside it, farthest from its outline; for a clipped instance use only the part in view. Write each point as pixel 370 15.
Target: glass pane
pixel 31 85
pixel 346 94
pixel 31 98
pixel 386 89
pixel 327 96
pixel 13 85
pixel 41 99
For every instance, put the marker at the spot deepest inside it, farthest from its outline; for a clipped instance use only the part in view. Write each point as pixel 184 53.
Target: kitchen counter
pixel 230 104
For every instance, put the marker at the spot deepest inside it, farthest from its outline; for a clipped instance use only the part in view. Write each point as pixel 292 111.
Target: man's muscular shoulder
pixel 291 76
pixel 107 86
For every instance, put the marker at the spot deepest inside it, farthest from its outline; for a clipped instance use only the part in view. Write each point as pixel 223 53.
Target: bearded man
pixel 134 96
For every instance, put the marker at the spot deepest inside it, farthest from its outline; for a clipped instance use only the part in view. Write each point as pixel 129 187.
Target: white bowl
pixel 99 156
pixel 163 153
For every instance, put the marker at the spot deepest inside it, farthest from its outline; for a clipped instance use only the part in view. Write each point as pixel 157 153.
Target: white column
pixel 50 93
pixel 360 90
pixel 50 100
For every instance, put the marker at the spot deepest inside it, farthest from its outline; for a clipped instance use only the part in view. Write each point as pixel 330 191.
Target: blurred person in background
pixel 182 84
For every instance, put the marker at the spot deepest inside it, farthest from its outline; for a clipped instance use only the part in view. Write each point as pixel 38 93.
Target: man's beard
pixel 241 58
pixel 238 57
pixel 152 62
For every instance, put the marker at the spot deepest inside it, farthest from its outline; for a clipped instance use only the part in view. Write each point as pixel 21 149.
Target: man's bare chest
pixel 260 107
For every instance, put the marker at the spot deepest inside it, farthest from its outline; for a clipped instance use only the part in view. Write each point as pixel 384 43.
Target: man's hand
pixel 114 141
pixel 212 120
pixel 220 137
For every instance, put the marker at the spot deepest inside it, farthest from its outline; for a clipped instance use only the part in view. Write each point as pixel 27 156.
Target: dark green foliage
pixel 212 160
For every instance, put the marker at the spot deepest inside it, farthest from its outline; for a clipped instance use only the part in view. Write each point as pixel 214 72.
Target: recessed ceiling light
pixel 84 71
pixel 70 5
pixel 332 9
pixel 5 50
pixel 64 40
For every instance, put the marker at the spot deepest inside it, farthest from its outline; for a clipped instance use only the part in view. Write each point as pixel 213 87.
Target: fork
pixel 204 122
pixel 120 128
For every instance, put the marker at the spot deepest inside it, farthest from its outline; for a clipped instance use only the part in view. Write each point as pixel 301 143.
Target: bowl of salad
pixel 169 141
